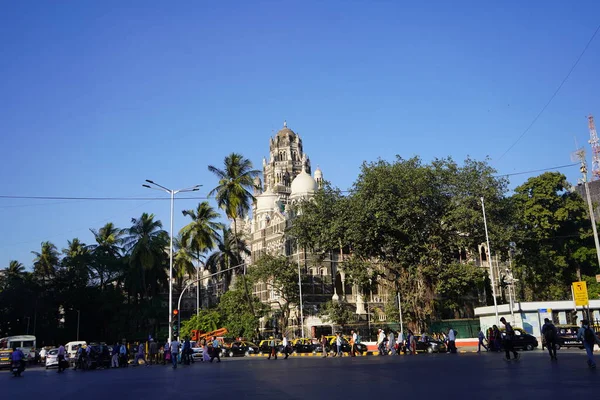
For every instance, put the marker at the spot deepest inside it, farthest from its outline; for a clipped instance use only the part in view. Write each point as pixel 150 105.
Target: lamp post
pixel 78 314
pixel 172 193
pixel 489 257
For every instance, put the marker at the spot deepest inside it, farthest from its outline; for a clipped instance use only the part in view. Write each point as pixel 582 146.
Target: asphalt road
pixel 445 376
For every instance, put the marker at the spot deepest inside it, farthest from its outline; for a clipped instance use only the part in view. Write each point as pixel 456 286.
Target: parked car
pixel 52 358
pixel 360 347
pixel 264 347
pixel 303 345
pixel 242 348
pixel 99 356
pixel 567 337
pixel 430 345
pixel 522 340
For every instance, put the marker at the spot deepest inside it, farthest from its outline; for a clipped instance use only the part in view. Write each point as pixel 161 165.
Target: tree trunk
pixel 237 251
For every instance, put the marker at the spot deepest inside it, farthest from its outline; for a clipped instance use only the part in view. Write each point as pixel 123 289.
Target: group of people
pixel 586 335
pixel 395 343
pixel 496 340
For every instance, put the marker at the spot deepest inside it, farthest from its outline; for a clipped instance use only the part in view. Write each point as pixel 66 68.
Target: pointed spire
pixel 284 123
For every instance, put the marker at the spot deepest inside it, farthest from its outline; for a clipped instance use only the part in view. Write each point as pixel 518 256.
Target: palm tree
pixel 233 194
pixel 45 262
pixel 107 252
pixel 183 262
pixel 146 245
pixel 76 257
pixel 227 254
pixel 202 233
pixel 15 268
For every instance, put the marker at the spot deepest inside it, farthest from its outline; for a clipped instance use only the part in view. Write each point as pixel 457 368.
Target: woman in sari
pixel 205 351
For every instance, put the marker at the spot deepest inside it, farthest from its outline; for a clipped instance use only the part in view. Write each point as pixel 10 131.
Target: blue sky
pixel 96 97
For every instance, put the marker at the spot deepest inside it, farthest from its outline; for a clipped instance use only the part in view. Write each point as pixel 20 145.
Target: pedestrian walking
pixel 550 333
pixel 285 348
pixel 123 355
pixel 324 345
pixel 174 347
pixel 497 338
pixel 412 343
pixel 153 352
pixel 205 351
pixel 216 350
pixel 452 340
pixel 185 353
pixel 338 344
pixel 587 335
pixel 391 342
pixel 115 355
pixel 381 342
pixel 61 358
pixel 481 344
pixel 353 340
pixel 508 342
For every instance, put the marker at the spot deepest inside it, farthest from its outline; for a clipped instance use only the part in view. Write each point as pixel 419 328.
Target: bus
pixel 26 343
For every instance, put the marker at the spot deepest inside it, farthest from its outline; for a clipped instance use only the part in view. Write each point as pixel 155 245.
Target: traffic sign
pixel 580 294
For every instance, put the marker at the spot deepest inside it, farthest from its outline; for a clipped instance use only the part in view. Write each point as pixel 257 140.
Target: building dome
pixel 267 201
pixel 318 174
pixel 286 132
pixel 303 185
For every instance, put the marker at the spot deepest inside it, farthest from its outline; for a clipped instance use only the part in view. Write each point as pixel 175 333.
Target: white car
pixel 52 358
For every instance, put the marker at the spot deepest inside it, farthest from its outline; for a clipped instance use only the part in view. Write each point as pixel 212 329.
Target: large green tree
pixel 46 261
pixel 280 277
pixel 553 237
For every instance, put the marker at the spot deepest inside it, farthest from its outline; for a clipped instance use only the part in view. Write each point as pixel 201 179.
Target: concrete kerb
pixel 366 353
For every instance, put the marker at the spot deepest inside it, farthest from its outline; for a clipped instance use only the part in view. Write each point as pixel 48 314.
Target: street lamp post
pixel 489 257
pixel 172 193
pixel 300 288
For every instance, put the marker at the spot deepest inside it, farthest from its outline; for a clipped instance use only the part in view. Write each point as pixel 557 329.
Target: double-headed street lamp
pixel 156 186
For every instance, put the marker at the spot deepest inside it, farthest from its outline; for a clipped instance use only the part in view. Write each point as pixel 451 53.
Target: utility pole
pixel 489 257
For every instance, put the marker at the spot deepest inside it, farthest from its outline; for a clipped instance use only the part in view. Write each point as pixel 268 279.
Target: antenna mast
pixel 595 148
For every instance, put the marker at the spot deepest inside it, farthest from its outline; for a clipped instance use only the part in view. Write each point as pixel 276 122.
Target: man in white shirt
pixel 354 347
pixel 452 340
pixel 380 342
pixel 285 347
pixel 174 352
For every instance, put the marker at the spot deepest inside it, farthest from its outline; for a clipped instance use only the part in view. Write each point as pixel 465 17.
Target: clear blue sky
pixel 95 97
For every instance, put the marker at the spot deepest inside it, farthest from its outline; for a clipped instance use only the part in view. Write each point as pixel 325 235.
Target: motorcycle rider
pixel 17 357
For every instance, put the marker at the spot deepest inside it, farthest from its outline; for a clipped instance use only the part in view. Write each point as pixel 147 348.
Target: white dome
pixel 267 201
pixel 318 173
pixel 302 185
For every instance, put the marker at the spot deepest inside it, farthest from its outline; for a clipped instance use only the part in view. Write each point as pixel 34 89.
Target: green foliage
pixel 457 289
pixel 337 312
pixel 552 236
pixel 236 314
pixel 205 321
pixel 593 287
pixel 281 277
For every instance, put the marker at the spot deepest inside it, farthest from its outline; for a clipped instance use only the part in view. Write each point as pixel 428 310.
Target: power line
pixel 553 95
pixel 98 198
pixel 539 170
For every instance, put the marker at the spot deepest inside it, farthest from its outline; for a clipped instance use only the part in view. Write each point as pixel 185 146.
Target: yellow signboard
pixel 580 294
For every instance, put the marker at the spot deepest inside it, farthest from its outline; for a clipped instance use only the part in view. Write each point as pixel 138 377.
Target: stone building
pixel 286 181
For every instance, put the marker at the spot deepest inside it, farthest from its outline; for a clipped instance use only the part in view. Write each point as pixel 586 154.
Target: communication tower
pixel 595 143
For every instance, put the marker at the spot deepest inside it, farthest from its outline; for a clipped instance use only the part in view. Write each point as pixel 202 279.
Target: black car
pixel 522 339
pixel 303 346
pixel 566 337
pixel 99 356
pixel 264 346
pixel 242 348
pixel 430 345
pixel 361 348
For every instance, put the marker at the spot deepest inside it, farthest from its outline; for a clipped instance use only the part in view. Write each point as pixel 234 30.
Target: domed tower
pixel 286 157
pixel 319 177
pixel 303 186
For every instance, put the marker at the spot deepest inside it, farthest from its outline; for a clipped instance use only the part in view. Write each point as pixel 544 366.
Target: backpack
pixel 550 334
pixel 589 337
